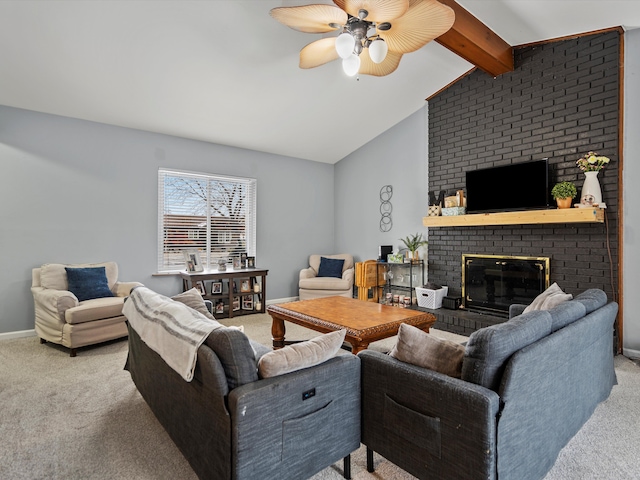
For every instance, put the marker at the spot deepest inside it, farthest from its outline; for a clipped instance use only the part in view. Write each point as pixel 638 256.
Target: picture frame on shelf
pixel 236 304
pixel 220 306
pixel 251 262
pixel 243 259
pixel 236 263
pixel 192 260
pixel 216 288
pixel 245 285
pixel 199 285
pixel 247 302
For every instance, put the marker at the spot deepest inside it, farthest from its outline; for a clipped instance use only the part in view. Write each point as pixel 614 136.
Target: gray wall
pixel 631 194
pixel 398 158
pixel 74 191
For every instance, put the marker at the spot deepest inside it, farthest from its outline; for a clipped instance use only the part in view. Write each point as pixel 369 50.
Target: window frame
pixel 169 252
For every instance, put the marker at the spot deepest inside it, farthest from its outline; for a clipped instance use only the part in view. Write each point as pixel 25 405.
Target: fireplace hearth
pixel 491 283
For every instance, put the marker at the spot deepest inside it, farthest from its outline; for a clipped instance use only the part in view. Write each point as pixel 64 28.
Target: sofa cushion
pixel 301 355
pixel 324 283
pixel 548 299
pixel 54 275
pixel 330 267
pixel 95 309
pixel 238 360
pixel 592 299
pixel 566 313
pixel 314 261
pixel 193 299
pixel 419 348
pixel 88 283
pixel 489 348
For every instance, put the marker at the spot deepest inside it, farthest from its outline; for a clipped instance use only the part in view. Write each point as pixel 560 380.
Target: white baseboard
pixel 282 300
pixel 628 352
pixel 20 334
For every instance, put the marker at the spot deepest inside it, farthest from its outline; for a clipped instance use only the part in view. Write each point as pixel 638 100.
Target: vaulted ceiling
pixel 225 72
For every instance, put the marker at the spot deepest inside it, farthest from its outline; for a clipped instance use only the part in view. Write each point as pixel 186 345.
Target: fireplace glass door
pixel 491 283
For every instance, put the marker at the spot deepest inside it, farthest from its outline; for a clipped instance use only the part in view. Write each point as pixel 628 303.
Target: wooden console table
pixel 233 292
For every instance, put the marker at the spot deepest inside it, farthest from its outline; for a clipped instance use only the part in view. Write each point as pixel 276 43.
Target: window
pixel 213 214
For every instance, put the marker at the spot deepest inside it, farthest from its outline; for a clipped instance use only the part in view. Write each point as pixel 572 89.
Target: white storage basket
pixel 431 298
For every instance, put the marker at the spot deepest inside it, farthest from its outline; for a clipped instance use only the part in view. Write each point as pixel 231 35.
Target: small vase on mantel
pixel 591 193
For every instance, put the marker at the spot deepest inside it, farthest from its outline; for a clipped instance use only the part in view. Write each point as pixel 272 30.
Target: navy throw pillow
pixel 330 267
pixel 88 283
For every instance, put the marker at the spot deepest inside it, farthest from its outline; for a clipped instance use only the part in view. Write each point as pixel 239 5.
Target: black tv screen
pixel 521 186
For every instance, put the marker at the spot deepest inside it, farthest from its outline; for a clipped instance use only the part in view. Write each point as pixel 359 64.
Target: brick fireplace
pixel 561 101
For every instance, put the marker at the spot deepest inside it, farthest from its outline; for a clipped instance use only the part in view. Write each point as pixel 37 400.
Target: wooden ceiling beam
pixel 475 42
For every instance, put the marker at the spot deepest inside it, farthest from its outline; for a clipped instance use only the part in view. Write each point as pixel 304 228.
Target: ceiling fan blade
pixel 388 65
pixel 379 10
pixel 424 21
pixel 310 18
pixel 318 53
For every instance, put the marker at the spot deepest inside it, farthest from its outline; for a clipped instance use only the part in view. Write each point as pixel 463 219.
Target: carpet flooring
pixel 82 418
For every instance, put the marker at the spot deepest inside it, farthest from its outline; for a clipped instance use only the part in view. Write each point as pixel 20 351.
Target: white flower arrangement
pixel 592 162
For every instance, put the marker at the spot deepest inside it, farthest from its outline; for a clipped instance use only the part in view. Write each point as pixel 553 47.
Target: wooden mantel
pixel 526 217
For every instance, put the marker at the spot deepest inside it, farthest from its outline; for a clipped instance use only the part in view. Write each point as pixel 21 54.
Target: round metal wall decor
pixel 386 192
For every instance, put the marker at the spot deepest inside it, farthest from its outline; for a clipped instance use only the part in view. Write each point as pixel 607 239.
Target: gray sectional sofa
pixel 527 387
pixel 231 424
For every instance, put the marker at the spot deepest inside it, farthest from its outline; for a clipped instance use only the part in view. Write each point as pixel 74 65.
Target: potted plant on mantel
pixel 413 243
pixel 563 193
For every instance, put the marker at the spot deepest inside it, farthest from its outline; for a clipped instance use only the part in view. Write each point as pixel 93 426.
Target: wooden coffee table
pixel 364 321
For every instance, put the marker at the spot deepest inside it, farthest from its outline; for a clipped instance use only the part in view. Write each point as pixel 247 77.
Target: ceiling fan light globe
pixel 378 51
pixel 351 65
pixel 344 44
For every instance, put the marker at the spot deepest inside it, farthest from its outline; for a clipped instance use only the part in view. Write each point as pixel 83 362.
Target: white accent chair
pixel 313 286
pixel 59 316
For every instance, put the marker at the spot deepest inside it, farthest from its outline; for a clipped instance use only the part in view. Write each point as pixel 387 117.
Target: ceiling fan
pixel 374 33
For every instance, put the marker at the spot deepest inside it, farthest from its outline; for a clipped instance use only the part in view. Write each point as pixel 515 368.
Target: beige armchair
pixel 311 285
pixel 63 319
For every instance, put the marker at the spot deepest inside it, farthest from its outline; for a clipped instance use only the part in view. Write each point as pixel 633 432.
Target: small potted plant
pixel 413 243
pixel 563 193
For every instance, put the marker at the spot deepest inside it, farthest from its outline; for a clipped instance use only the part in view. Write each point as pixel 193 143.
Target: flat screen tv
pixel 521 186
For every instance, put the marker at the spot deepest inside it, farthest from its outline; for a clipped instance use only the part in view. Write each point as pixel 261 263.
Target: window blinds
pixel 213 214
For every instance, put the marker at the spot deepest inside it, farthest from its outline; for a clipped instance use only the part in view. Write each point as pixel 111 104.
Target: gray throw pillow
pixel 548 299
pixel 419 348
pixel 301 355
pixel 192 298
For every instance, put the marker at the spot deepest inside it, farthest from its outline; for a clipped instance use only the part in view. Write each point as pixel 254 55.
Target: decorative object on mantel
pixel 591 163
pixel 564 192
pixel 455 204
pixel 373 34
pixel 413 243
pixel 386 223
pixel 435 205
pixel 452 211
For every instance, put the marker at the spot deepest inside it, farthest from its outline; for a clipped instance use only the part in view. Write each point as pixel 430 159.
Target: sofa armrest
pixel 423 420
pixel 516 309
pixel 53 304
pixel 123 289
pixel 307 273
pixel 279 422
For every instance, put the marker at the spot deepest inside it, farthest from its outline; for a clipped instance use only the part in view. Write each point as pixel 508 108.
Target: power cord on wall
pixel 616 329
pixel 606 224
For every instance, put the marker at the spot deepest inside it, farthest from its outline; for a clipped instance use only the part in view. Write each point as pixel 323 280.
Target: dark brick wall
pixel 560 102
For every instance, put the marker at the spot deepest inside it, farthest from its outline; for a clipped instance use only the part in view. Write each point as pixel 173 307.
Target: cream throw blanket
pixel 169 328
